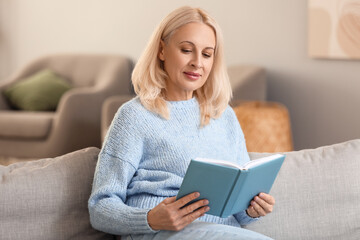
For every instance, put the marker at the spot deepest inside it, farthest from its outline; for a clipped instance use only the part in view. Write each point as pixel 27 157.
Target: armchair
pixel 76 122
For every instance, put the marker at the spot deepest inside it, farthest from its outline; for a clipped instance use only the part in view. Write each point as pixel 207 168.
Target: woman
pixel 181 112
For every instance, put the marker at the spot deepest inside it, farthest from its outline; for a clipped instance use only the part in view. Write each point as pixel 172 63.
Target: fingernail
pixel 197 194
pixel 207 208
pixel 206 202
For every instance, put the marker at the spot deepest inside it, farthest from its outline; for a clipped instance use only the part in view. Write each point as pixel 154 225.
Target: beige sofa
pixel 76 122
pixel 317 196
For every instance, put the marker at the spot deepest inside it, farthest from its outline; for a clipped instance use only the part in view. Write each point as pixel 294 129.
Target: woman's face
pixel 188 57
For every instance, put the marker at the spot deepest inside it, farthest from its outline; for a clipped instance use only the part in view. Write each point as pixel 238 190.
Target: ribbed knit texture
pixel 144 159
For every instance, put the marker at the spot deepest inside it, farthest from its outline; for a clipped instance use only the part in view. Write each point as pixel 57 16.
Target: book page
pixel 219 162
pixel 247 165
pixel 260 161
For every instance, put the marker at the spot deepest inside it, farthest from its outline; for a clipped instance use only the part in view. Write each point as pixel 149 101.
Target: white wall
pixel 322 95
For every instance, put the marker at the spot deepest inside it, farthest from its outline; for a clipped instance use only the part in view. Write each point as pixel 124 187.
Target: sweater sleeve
pixel 117 163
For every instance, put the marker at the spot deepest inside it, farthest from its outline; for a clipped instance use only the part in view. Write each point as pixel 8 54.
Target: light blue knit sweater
pixel 144 159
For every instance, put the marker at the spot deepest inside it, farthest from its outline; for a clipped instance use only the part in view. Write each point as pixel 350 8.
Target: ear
pixel 161 54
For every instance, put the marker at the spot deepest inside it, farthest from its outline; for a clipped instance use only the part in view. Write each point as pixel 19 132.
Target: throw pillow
pixel 39 92
pixel 47 198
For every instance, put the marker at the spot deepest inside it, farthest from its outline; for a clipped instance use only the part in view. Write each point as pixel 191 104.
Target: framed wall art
pixel 334 29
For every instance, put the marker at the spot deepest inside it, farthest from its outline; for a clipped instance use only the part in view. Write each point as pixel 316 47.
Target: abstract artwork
pixel 334 29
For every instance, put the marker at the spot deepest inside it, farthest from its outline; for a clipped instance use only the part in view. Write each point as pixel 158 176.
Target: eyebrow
pixel 194 44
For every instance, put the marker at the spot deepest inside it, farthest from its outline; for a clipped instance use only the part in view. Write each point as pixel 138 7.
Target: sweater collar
pixel 184 103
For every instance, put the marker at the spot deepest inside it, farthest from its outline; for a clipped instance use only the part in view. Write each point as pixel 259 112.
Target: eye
pixel 207 55
pixel 185 50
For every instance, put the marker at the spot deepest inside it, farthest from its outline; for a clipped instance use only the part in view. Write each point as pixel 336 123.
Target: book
pixel 229 187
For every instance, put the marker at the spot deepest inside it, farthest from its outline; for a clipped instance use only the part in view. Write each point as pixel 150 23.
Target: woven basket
pixel 266 126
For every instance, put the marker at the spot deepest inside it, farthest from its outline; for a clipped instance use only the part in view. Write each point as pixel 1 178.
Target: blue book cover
pixel 230 187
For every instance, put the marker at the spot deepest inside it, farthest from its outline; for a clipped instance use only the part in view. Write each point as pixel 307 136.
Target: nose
pixel 196 61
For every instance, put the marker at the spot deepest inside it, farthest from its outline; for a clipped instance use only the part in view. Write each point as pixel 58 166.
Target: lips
pixel 192 75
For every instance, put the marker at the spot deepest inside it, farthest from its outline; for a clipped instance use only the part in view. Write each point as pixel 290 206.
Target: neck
pixel 178 97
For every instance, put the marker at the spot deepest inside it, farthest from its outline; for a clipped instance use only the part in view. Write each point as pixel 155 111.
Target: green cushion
pixel 39 92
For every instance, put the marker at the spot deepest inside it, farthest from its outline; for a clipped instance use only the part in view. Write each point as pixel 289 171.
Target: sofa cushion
pixel 39 92
pixel 24 124
pixel 317 195
pixel 47 198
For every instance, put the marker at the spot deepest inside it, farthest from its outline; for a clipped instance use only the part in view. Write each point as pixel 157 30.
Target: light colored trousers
pixel 201 230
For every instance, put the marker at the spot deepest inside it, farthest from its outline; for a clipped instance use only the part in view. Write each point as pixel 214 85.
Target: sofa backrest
pixel 317 195
pixel 47 198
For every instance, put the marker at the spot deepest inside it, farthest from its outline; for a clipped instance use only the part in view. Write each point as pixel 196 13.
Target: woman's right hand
pixel 169 214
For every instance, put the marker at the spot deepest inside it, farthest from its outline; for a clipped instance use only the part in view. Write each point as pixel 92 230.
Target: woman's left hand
pixel 261 205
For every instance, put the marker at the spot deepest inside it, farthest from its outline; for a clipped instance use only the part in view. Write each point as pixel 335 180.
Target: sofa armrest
pixel 248 83
pixel 3 103
pixel 109 109
pixel 78 111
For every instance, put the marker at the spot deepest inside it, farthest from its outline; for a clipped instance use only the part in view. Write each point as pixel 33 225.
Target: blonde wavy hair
pixel 149 77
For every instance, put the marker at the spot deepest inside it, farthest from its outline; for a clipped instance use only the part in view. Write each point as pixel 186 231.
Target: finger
pixel 252 212
pixel 267 198
pixel 189 218
pixel 192 207
pixel 264 205
pixel 184 200
pixel 169 200
pixel 260 211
